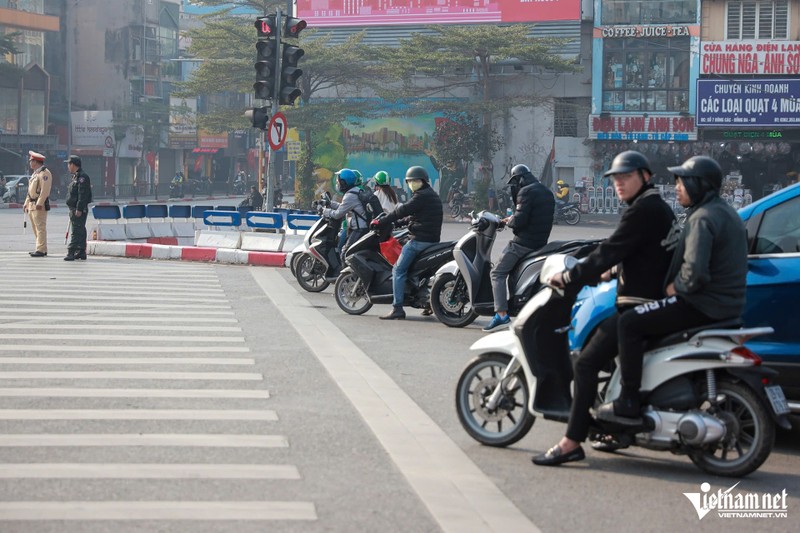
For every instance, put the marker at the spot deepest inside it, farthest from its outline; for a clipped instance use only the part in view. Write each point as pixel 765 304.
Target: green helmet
pixel 381 178
pixel 359 178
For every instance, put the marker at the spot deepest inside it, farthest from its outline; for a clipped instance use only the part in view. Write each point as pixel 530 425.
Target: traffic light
pixel 265 27
pixel 265 69
pixel 289 91
pixel 293 26
pixel 258 117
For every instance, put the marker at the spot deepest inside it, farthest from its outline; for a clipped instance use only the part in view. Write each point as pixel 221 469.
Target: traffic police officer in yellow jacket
pixel 79 196
pixel 37 203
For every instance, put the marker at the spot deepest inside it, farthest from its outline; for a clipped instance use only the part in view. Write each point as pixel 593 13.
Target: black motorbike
pixel 367 278
pixel 569 212
pixel 462 288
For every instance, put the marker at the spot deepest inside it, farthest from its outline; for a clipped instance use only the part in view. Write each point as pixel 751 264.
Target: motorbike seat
pixel 438 247
pixel 686 334
pixel 553 247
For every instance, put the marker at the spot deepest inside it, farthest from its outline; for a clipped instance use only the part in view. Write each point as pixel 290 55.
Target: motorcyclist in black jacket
pixel 425 212
pixel 531 222
pixel 638 253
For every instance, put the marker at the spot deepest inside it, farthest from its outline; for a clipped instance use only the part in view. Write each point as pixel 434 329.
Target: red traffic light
pixel 293 27
pixel 265 26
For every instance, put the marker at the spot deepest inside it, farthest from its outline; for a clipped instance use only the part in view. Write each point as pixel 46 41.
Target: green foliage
pixel 457 60
pixel 7 43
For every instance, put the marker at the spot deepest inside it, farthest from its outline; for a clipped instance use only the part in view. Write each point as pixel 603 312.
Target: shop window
pixel 765 19
pixel 646 75
pixel 648 12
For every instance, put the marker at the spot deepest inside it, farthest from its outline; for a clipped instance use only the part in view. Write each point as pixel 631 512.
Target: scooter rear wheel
pixel 572 216
pixel 749 437
pixel 455 210
pixel 507 423
pixel 350 294
pixel 450 301
pixel 310 274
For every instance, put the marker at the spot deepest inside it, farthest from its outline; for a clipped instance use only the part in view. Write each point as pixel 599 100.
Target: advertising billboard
pixel 93 128
pixel 753 102
pixel 642 127
pixel 398 12
pixel 750 57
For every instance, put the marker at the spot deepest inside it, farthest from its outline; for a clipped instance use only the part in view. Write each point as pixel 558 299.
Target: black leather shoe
pixel 608 412
pixel 81 256
pixel 396 314
pixel 427 311
pixel 554 457
pixel 38 254
pixel 70 257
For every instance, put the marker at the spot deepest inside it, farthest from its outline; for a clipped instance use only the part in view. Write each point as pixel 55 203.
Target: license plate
pixel 777 399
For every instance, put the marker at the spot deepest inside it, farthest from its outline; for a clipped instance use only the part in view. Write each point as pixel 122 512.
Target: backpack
pixel 371 203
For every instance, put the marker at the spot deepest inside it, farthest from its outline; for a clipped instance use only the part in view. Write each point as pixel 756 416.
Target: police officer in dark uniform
pixel 79 196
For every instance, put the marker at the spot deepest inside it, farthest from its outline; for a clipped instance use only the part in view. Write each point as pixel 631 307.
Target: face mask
pixel 415 185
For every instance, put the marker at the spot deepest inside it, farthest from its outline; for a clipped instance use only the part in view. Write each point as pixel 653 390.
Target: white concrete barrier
pixel 262 242
pixel 109 232
pixel 116 249
pixel 137 230
pixel 291 241
pixel 183 229
pixel 231 256
pixel 161 229
pixel 219 239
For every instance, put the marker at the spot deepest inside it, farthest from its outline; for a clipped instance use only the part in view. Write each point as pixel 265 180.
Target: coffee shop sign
pixel 642 128
pixel 633 31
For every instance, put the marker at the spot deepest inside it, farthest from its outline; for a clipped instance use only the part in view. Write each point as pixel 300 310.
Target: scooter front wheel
pixel 510 420
pixel 310 273
pixel 749 435
pixel 455 210
pixel 350 294
pixel 450 301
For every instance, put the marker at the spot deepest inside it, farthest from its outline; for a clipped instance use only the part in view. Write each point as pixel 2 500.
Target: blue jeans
pixel 400 271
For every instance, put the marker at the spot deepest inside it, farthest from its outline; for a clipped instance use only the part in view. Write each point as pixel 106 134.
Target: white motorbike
pixel 704 393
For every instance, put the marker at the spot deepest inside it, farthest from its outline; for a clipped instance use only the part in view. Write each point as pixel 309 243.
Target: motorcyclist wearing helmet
pixel 705 283
pixel 425 214
pixel 531 222
pixel 384 191
pixel 350 207
pixel 639 253
pixel 562 193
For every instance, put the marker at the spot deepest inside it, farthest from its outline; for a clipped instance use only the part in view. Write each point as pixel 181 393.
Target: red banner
pixel 421 12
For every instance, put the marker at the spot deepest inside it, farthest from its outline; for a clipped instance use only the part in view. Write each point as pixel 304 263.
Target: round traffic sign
pixel 276 130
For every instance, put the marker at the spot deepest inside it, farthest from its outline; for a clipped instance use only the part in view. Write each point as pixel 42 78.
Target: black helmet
pixel 520 171
pixel 702 167
pixel 74 159
pixel 417 173
pixel 628 162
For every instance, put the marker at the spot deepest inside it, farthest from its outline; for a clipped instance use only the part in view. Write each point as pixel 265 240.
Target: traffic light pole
pixel 272 168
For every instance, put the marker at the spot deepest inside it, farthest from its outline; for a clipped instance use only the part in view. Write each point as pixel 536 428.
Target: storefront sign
pixel 748 103
pixel 647 31
pixel 182 122
pixel 212 140
pixel 758 57
pixel 642 127
pixel 93 128
pixel 131 145
pixel 762 134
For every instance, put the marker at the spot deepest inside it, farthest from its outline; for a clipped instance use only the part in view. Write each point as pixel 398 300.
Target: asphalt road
pixel 261 406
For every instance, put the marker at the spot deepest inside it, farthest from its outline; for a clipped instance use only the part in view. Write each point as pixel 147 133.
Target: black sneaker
pixel 396 314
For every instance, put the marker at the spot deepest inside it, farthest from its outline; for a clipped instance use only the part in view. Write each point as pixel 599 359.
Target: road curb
pixel 186 253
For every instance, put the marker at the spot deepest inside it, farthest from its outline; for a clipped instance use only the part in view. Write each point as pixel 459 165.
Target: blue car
pixel 773 289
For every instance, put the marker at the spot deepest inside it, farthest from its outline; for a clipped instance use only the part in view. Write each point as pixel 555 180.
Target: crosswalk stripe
pixel 146 471
pixel 121 374
pixel 149 327
pixel 83 337
pixel 94 291
pixel 129 349
pixel 122 297
pixel 232 361
pixel 9 305
pixel 64 392
pixel 117 317
pixel 138 414
pixel 143 439
pixel 160 510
